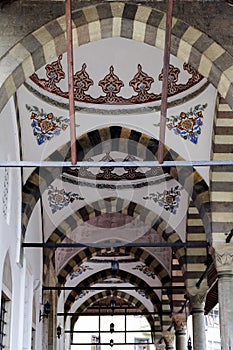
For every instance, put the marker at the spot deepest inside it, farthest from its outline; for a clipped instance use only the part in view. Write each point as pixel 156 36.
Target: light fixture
pixel 230 2
pixel 112 304
pixel 46 311
pixel 58 331
pixel 114 267
pixel 111 342
pixel 111 327
pixel 189 347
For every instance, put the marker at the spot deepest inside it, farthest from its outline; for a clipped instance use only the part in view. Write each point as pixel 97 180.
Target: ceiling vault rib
pixel 71 81
pixel 166 59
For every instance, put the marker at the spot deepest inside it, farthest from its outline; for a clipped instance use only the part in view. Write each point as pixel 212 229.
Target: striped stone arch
pixel 106 20
pixel 41 178
pixel 154 322
pixel 149 260
pixel 221 178
pixel 129 209
pixel 104 274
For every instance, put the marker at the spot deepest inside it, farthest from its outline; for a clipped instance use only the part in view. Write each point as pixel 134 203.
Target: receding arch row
pixel 132 21
pixel 154 321
pixel 126 208
pixel 189 178
pixel 107 273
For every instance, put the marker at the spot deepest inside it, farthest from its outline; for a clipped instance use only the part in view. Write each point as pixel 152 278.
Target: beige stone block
pixel 143 14
pixel 75 38
pixel 49 51
pixel 195 222
pixel 224 85
pixel 193 210
pixel 224 122
pixel 91 14
pixel 193 237
pixel 42 35
pixel 116 30
pixel 160 39
pixel 191 35
pixel 94 31
pixel 62 22
pixel 205 66
pixel 28 67
pixel 229 73
pixel 19 52
pixel 224 107
pixel 222 197
pixel 196 251
pixel 139 31
pixel 184 51
pixel 10 86
pixel 222 217
pixel 196 267
pixel 223 156
pixel 222 176
pixel 223 139
pixel 117 9
pixel 214 51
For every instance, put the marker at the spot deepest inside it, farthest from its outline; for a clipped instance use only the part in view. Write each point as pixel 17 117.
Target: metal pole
pixel 166 59
pixel 143 164
pixel 71 81
pixel 117 244
pixel 77 288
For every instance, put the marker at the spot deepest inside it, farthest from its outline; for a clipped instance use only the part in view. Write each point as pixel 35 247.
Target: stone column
pixel 169 337
pixel 180 331
pixel 224 264
pixel 197 300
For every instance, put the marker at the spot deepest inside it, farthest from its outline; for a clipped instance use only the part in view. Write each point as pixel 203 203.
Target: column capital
pixel 223 256
pixel 179 322
pixel 197 295
pixel 169 337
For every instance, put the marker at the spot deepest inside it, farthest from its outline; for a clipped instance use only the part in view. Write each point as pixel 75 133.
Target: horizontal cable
pixel 116 244
pixel 86 164
pixel 112 287
pixel 126 343
pixel 123 331
pixel 112 313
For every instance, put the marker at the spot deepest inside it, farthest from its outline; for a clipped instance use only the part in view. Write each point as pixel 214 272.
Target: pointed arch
pixel 132 21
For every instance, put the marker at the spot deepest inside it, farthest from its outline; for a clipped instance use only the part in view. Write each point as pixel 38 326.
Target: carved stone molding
pixel 179 322
pixel 197 296
pixel 223 255
pixel 169 337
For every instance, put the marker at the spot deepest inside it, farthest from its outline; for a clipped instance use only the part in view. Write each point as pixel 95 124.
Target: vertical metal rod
pixel 166 60
pixel 71 81
pixel 125 327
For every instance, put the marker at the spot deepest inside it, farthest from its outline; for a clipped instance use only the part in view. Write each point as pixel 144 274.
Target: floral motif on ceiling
pixel 144 269
pixel 80 271
pixel 46 126
pixel 143 293
pixel 168 199
pixel 111 173
pixel 59 199
pixel 188 124
pixel 111 84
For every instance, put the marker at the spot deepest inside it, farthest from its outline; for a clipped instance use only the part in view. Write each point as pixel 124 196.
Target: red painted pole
pixel 71 81
pixel 166 60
